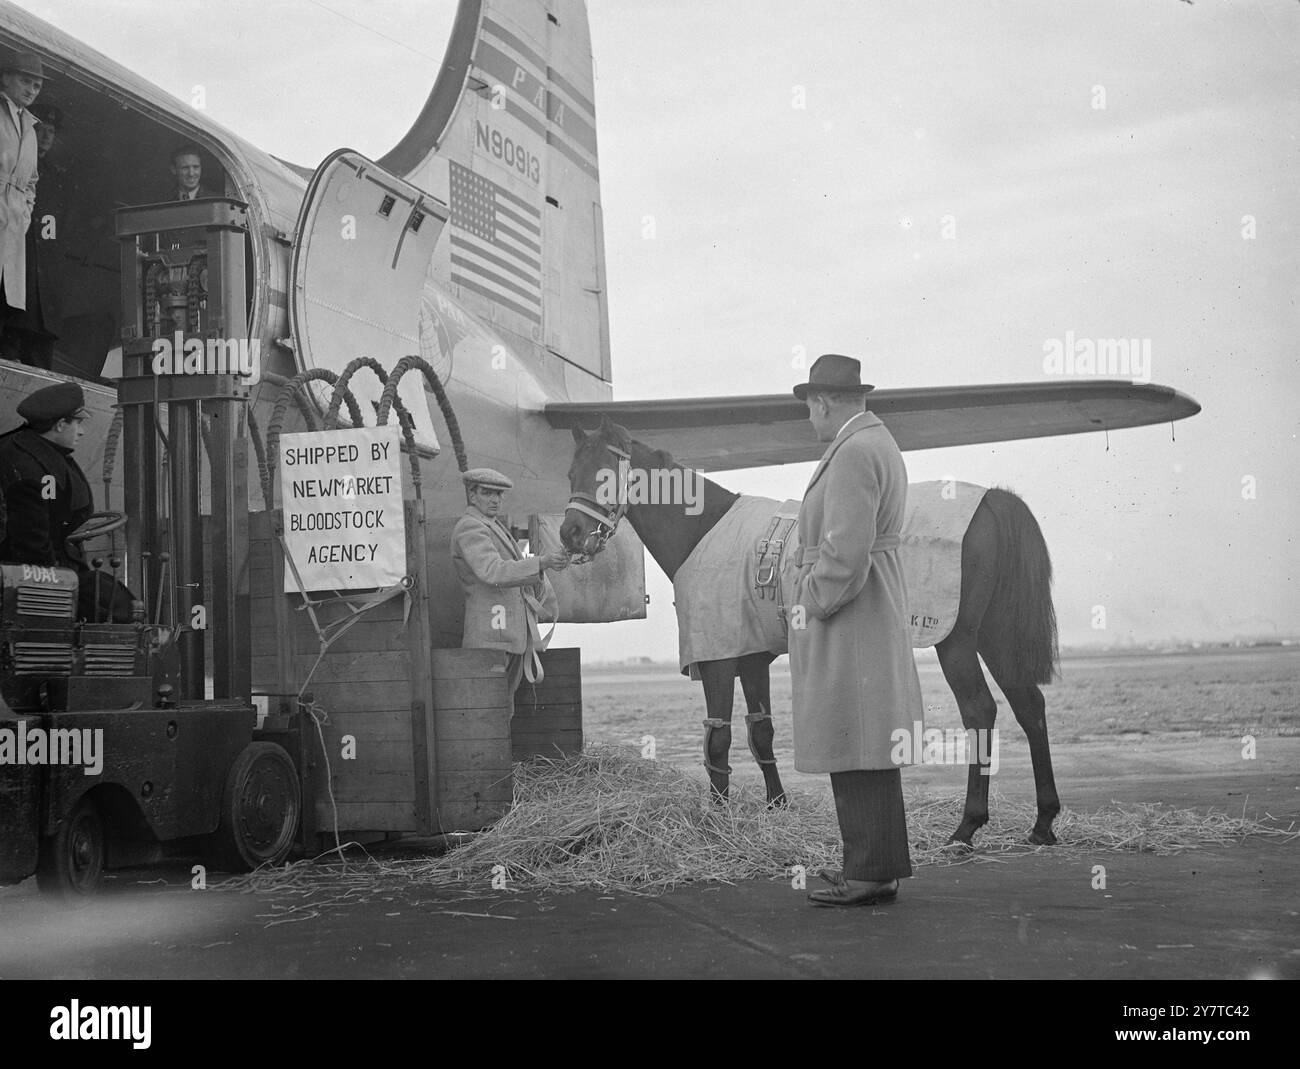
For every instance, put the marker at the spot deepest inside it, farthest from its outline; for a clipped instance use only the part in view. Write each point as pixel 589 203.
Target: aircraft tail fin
pixel 507 139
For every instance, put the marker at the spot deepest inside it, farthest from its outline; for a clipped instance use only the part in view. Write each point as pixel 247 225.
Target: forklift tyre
pixel 260 807
pixel 72 860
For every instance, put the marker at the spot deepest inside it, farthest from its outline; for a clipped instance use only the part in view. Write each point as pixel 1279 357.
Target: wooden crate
pixel 373 685
pixel 548 716
pixel 471 723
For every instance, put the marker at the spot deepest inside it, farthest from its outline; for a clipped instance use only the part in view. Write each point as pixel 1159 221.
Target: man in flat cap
pixel 851 663
pixel 505 592
pixel 21 80
pixel 46 495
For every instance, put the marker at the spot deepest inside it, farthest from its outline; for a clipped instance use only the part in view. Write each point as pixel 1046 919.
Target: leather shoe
pixel 844 893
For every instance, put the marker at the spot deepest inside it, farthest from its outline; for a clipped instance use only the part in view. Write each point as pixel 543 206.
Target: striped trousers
pixel 869 805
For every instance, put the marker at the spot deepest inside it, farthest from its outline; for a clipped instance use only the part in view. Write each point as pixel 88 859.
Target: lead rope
pixel 533 648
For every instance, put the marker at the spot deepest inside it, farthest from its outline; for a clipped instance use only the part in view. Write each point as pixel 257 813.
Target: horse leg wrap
pixel 711 725
pixel 751 720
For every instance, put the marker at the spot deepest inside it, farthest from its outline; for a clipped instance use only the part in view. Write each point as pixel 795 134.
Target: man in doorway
pixel 186 184
pixel 35 330
pixel 187 175
pixel 21 81
pixel 851 663
pixel 505 592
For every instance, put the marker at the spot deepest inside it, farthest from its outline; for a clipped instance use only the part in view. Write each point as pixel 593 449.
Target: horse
pixel 1005 615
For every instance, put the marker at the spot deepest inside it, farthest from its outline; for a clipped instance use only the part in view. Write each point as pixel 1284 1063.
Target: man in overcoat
pixel 851 664
pixel 34 331
pixel 21 80
pixel 505 592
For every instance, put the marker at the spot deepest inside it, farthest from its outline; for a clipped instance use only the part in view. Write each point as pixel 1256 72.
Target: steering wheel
pixel 97 523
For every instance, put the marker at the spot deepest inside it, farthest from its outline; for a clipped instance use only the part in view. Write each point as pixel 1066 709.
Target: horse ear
pixel 578 436
pixel 612 433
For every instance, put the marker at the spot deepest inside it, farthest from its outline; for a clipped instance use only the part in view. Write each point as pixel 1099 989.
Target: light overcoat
pixel 851 665
pixel 17 195
pixel 495 575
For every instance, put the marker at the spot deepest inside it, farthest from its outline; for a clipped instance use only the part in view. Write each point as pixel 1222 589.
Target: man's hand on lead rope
pixel 556 560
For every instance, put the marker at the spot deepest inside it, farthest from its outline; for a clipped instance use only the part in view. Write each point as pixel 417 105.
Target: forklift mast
pixel 188 368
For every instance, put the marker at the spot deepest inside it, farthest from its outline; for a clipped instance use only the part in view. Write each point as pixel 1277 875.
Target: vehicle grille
pixel 42 659
pixel 106 660
pixel 43 601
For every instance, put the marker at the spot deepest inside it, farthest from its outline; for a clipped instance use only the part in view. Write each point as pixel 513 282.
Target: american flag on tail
pixel 496 243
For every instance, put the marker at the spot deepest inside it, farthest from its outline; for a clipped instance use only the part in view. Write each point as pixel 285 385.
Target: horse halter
pixel 607 516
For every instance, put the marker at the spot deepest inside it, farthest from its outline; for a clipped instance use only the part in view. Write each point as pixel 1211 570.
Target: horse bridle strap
pixel 608 516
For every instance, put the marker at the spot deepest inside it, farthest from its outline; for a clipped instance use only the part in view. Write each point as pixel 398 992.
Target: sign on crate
pixel 341 492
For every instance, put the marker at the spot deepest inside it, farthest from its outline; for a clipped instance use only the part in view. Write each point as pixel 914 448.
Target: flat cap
pixel 486 477
pixel 64 400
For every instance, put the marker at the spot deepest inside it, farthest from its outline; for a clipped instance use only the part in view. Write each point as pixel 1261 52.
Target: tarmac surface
pixel 1209 913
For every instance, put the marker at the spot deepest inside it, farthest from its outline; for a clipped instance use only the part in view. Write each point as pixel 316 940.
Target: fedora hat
pixel 832 372
pixel 25 63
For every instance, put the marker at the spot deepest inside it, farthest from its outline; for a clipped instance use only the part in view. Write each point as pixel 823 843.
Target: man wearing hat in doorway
pixel 851 663
pixel 33 332
pixel 46 495
pixel 500 610
pixel 21 81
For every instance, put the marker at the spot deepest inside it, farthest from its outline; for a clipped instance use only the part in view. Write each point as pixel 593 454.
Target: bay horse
pixel 1005 615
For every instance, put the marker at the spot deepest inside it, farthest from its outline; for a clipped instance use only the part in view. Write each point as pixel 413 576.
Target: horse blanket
pixel 722 611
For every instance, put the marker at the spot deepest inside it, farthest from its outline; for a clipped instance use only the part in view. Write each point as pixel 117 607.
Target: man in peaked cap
pixel 851 665
pixel 505 592
pixel 46 495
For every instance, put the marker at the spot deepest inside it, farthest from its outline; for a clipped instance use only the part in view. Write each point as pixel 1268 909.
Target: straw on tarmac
pixel 1221 912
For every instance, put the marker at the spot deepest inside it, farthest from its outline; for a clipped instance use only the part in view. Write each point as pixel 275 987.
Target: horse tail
pixel 1019 627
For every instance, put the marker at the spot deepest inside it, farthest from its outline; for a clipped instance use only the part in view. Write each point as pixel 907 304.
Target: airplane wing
pixel 729 433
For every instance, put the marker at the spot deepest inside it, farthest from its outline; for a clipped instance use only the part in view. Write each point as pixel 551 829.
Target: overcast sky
pixel 941 189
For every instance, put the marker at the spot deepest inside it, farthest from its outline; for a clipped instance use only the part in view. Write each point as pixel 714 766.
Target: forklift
pixel 163 702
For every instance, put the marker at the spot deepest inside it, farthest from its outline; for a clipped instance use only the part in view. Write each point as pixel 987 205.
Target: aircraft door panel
pixel 610 586
pixel 361 251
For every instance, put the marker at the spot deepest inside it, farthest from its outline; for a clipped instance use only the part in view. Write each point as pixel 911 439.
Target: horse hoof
pixel 959 846
pixel 779 802
pixel 1042 838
